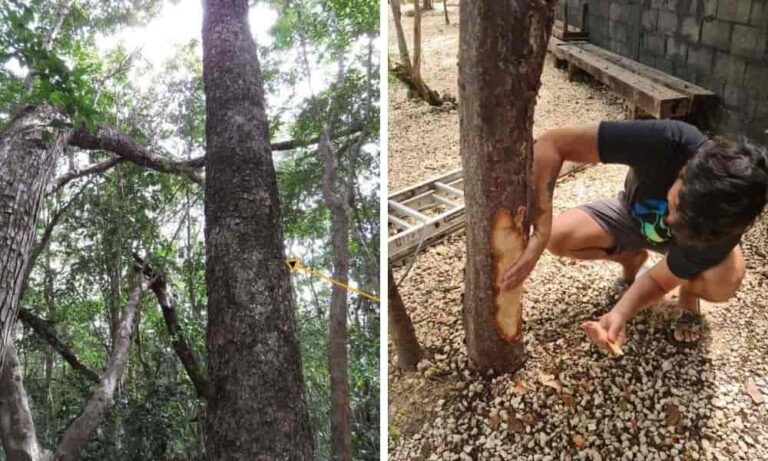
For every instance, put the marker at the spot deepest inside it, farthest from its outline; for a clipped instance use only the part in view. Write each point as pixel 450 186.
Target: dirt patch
pixel 569 401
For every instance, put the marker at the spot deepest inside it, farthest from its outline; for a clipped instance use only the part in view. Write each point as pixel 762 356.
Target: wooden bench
pixel 646 89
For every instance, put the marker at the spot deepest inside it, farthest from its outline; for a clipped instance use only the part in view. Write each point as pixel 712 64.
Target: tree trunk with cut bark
pixel 258 409
pixel 29 148
pixel 401 328
pixel 501 54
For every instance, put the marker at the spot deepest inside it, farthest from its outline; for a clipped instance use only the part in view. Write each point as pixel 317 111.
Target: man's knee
pixel 559 239
pixel 720 283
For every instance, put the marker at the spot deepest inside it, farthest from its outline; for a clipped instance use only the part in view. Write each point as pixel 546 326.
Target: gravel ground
pixel 569 401
pixel 418 131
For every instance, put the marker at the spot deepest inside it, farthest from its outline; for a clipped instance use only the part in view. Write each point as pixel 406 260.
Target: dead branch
pixel 167 301
pixel 42 328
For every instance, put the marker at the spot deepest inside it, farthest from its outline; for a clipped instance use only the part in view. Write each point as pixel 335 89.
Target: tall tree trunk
pixel 416 65
pixel 29 148
pixel 445 12
pixel 17 430
pixel 258 410
pixel 402 45
pixel 336 196
pixel 401 328
pixel 427 5
pixel 501 54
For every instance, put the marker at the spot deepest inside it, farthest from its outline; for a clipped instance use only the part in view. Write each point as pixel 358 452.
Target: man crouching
pixel 685 196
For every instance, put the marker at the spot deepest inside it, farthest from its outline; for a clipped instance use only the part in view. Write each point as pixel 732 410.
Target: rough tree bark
pixel 501 54
pixel 76 437
pixel 336 196
pixel 258 410
pixel 401 328
pixel 29 148
pixel 17 430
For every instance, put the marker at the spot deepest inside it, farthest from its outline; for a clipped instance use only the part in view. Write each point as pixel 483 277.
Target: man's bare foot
pixel 687 328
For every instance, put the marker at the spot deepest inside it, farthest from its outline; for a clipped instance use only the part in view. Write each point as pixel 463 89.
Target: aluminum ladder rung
pixel 448 189
pixel 399 222
pixel 408 211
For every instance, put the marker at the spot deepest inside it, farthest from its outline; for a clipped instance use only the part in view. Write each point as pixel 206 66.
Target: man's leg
pixel 576 234
pixel 716 284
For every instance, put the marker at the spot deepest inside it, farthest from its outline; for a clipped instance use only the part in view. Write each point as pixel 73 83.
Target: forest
pixel 149 201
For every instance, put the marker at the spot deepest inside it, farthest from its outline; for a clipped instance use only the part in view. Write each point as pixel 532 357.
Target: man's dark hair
pixel 725 187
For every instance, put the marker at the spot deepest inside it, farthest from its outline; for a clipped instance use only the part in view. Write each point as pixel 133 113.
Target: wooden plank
pixel 663 78
pixel 651 96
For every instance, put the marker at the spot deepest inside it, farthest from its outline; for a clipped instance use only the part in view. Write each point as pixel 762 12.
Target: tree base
pixel 416 86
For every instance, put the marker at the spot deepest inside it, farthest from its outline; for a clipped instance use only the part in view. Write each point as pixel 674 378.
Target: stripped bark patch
pixel 507 242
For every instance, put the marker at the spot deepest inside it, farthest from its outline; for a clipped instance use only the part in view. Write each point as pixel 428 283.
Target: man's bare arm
pixel 647 289
pixel 575 144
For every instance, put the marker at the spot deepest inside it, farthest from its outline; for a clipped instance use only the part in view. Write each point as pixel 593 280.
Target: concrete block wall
pixel 721 45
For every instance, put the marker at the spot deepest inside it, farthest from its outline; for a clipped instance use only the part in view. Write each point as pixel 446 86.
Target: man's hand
pixel 609 333
pixel 522 268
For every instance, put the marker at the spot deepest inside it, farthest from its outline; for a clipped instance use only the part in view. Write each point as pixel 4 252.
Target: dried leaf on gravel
pixel 520 387
pixel 754 392
pixel 550 381
pixel 673 414
pixel 578 441
pixel 516 425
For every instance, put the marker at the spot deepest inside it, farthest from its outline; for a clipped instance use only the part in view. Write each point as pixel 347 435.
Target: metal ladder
pixel 431 210
pixel 427 211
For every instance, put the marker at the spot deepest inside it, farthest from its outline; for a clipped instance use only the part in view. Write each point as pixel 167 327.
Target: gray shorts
pixel 614 217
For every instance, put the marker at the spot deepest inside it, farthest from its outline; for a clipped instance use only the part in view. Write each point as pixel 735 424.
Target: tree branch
pixel 167 301
pixel 45 332
pixel 94 168
pixel 109 138
pixel 76 437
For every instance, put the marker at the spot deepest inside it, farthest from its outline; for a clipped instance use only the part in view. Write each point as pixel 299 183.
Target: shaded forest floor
pixel 655 402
